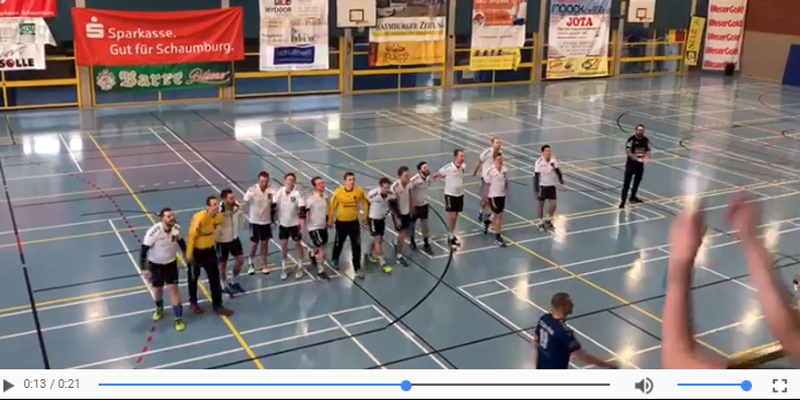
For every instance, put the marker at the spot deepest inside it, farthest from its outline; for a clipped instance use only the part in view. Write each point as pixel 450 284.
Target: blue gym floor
pixel 80 183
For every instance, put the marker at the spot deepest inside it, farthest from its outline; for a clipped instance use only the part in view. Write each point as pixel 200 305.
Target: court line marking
pixel 355 341
pixel 202 287
pixel 71 154
pixel 410 337
pixel 721 275
pixel 217 338
pixel 64 238
pixel 529 251
pixel 93 171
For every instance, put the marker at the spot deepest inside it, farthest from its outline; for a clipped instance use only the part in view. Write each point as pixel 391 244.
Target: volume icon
pixel 645 386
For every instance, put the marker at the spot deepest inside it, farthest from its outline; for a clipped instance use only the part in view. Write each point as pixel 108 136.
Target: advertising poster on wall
pixel 28 8
pixel 724 33
pixel 409 32
pixel 578 36
pixel 498 32
pixel 694 40
pixel 22 43
pixel 122 38
pixel 294 35
pixel 163 77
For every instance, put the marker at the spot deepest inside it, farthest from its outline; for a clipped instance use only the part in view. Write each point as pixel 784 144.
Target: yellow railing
pixel 527 52
pixel 54 63
pixel 243 71
pixel 248 79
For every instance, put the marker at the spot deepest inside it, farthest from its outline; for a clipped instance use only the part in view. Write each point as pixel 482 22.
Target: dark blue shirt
pixel 556 343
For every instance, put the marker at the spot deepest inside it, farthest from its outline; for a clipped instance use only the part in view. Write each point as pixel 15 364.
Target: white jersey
pixel 487 161
pixel 497 180
pixel 379 203
pixel 260 204
pixel 403 196
pixel 163 245
pixel 289 205
pixel 419 188
pixel 232 222
pixel 453 179
pixel 317 215
pixel 547 171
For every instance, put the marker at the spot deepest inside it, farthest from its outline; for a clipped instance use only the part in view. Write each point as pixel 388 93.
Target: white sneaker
pixel 251 269
pixel 300 272
pixel 265 270
pixel 284 275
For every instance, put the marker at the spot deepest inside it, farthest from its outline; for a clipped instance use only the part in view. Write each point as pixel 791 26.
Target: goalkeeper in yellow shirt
pixel 202 255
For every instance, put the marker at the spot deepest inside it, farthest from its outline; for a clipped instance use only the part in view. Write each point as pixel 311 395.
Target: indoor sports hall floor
pixel 82 183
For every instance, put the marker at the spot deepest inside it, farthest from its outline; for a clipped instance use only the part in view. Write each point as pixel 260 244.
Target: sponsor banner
pixel 25 30
pixel 120 38
pixel 163 77
pixel 578 38
pixel 724 33
pixel 408 32
pixel 694 40
pixel 498 26
pixel 28 8
pixel 22 56
pixel 294 35
pixel 495 59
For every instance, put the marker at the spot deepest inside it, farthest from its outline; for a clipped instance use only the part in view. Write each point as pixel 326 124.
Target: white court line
pixel 132 260
pixel 93 171
pixel 217 338
pixel 723 276
pixel 355 341
pixel 410 337
pixel 71 154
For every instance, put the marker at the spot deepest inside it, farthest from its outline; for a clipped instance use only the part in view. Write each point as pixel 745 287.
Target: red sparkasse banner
pixel 118 38
pixel 28 8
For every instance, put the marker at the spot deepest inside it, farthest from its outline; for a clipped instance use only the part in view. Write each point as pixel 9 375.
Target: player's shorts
pixel 547 193
pixel 164 274
pixel 497 204
pixel 319 237
pixel 453 203
pixel 260 233
pixel 228 249
pixel 286 232
pixel 421 212
pixel 377 227
pixel 402 222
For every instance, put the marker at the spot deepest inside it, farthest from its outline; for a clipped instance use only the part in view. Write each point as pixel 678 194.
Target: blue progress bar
pixel 404 385
pixel 745 385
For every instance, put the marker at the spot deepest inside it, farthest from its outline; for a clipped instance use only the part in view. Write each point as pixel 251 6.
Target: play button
pixel 7 385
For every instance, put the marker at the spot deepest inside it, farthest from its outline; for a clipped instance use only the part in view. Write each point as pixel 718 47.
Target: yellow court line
pixel 226 320
pixel 525 249
pixel 74 299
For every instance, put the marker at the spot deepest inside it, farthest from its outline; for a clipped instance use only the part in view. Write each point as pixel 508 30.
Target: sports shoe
pixel 179 325
pixel 158 314
pixel 284 275
pixel 402 261
pixel 196 309
pixel 300 272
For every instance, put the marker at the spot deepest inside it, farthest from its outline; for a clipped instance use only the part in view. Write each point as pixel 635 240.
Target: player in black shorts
pixel 378 199
pixel 637 148
pixel 228 243
pixel 317 225
pixel 419 189
pixel 453 174
pixel 546 175
pixel 159 264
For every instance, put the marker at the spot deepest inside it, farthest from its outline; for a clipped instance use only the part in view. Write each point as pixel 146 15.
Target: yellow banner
pixel 694 40
pixel 494 60
pixel 577 67
pixel 406 53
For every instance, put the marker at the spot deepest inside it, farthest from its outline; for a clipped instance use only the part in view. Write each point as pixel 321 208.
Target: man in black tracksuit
pixel 637 148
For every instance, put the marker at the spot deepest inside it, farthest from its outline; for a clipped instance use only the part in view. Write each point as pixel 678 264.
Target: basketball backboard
pixel 642 11
pixel 356 14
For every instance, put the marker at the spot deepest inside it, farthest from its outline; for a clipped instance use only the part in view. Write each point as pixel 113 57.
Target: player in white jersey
pixel 228 243
pixel 291 211
pixel 419 189
pixel 317 225
pixel 260 206
pixel 496 190
pixel 401 206
pixel 453 174
pixel 378 208
pixel 159 264
pixel 546 175
pixel 485 162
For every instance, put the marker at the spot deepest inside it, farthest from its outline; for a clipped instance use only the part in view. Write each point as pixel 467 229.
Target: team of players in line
pixel 213 235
